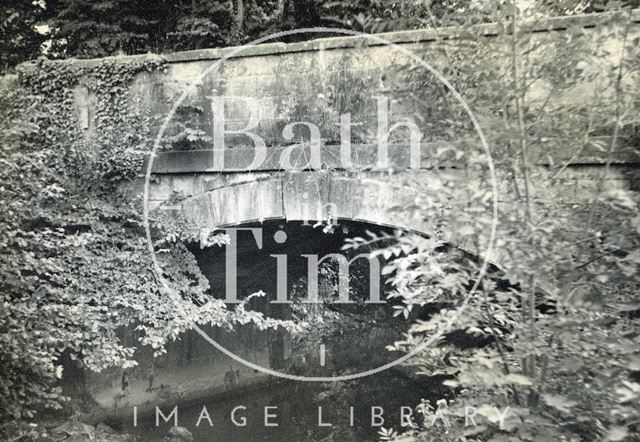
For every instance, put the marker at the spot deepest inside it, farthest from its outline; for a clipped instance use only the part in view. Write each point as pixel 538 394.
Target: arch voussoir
pixel 378 198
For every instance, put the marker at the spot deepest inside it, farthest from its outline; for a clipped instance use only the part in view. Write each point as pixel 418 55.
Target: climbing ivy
pixel 75 267
pixel 122 130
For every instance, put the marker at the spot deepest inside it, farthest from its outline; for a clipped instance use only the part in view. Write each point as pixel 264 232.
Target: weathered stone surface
pixel 380 198
pixel 310 81
pixel 340 42
pixel 252 201
pixel 304 194
pixel 198 211
pixel 239 159
pixel 317 81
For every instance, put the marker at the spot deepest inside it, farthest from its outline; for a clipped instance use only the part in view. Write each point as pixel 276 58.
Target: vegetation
pixel 19 39
pixel 69 230
pixel 75 28
pixel 561 340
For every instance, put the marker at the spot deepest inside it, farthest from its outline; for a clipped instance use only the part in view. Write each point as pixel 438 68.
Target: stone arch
pixel 380 198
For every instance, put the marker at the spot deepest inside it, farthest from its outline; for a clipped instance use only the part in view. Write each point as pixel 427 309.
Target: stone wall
pixel 321 79
pixel 318 81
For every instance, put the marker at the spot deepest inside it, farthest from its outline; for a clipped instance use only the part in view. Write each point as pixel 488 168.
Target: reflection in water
pixel 301 411
pixel 353 337
pixel 354 330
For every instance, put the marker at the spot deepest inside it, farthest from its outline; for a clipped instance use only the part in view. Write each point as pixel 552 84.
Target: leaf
pixel 474 331
pixel 466 230
pixel 559 402
pixel 129 364
pixel 634 363
pixel 629 392
pixel 619 199
pixel 572 365
pixel 475 430
pixel 518 379
pixel 616 433
pixel 489 412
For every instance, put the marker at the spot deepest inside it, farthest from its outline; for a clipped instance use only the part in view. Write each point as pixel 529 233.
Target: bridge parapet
pixel 321 80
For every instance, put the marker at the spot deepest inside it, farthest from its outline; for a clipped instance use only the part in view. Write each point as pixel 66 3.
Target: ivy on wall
pixel 75 266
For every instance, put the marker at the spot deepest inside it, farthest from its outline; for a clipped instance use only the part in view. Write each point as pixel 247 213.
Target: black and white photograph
pixel 319 220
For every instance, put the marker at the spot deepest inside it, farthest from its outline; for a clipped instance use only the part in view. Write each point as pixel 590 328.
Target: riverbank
pixel 189 383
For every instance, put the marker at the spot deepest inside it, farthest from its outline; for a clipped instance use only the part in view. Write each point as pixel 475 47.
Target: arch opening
pixel 342 334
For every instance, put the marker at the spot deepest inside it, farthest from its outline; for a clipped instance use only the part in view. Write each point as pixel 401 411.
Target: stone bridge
pixel 318 81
